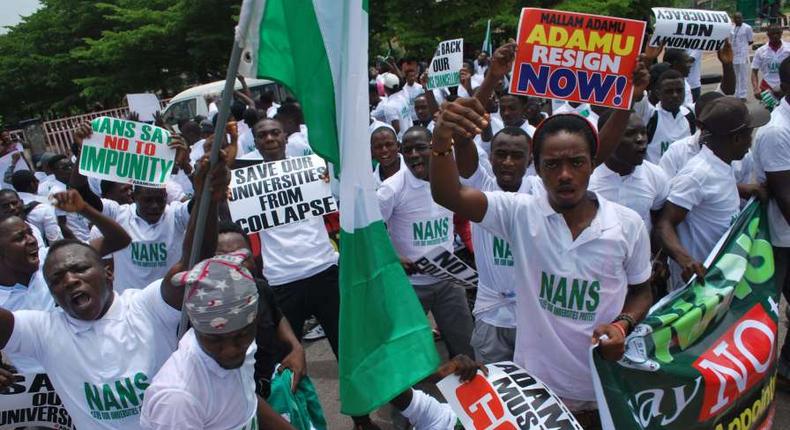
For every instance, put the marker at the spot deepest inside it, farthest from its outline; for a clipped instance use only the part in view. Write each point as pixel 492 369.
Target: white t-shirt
pixel 644 190
pixel 396 108
pixel 426 413
pixel 246 142
pixel 78 224
pixel 378 111
pixel 706 188
pixel 669 128
pixel 565 288
pixel 496 294
pixel 695 72
pixel 741 37
pixel 412 91
pixel 42 216
pixel 100 369
pixel 767 61
pixel 679 153
pixel 377 171
pixel 271 111
pixel 584 109
pixel 296 251
pixel 416 224
pixel 297 145
pixel 32 297
pixel 772 154
pixel 155 248
pixel 179 187
pixel 192 391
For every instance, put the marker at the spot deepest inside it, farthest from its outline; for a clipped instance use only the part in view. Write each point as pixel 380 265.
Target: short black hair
pixel 383 129
pixel 290 110
pixel 522 100
pixel 668 75
pixel 225 227
pixel 237 109
pixel 784 71
pixel 418 129
pixel 107 186
pixel 23 180
pixel 674 55
pixel 54 159
pixel 62 243
pixel 570 123
pixel 267 96
pixel 512 131
pixel 8 191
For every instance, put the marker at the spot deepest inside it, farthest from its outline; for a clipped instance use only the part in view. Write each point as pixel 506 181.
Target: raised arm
pixel 78 181
pixel 218 181
pixel 612 132
pixel 114 237
pixel 726 56
pixel 501 63
pixel 464 117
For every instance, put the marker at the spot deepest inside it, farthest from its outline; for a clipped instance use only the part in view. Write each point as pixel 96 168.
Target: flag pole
pixel 219 130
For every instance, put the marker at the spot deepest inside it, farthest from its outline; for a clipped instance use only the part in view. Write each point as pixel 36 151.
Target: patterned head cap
pixel 222 295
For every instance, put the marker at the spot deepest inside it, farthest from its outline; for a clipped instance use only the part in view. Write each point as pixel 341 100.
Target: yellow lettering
pixel 537 36
pixel 558 36
pixel 600 42
pixel 623 50
pixel 577 41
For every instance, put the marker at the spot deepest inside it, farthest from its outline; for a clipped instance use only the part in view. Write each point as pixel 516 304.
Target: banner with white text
pixel 274 194
pixel 444 264
pixel 31 402
pixel 128 152
pixel 705 356
pixel 445 68
pixel 704 30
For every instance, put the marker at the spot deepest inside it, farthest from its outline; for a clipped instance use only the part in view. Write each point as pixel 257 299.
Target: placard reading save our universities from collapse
pixel 269 195
pixel 576 57
pixel 128 152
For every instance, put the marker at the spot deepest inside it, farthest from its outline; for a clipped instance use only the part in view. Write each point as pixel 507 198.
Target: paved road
pixel 322 366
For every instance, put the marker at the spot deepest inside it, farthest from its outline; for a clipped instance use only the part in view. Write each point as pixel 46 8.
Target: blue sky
pixel 12 10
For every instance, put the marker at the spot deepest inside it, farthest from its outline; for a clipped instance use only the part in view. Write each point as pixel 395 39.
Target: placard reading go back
pixel 576 57
pixel 128 152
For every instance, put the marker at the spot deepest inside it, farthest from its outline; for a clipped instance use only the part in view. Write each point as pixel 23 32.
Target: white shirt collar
pixel 115 313
pixel 411 180
pixel 714 161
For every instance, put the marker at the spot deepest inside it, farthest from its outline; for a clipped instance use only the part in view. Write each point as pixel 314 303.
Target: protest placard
pixel 445 68
pixel 128 152
pixel 145 104
pixel 704 357
pixel 31 402
pixel 508 399
pixel 443 264
pixel 705 30
pixel 269 195
pixel 576 57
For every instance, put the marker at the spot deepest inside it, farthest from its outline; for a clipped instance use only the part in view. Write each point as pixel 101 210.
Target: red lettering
pixel 115 142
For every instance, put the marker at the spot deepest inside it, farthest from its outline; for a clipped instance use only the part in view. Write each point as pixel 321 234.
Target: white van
pixel 193 101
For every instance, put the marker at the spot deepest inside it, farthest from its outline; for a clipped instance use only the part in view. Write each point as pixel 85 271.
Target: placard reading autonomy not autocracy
pixel 443 264
pixel 128 152
pixel 576 57
pixel 705 30
pixel 445 68
pixel 269 195
pixel 31 402
pixel 508 399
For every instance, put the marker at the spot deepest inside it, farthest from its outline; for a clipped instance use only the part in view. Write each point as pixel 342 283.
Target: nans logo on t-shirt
pixel 146 254
pixel 432 232
pixel 118 399
pixel 576 299
pixel 502 254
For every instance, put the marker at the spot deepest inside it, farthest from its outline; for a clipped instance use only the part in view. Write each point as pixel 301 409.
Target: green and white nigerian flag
pixel 318 49
pixel 487 45
pixel 704 358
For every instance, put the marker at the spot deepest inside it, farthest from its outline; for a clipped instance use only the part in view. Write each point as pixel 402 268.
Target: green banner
pixel 705 356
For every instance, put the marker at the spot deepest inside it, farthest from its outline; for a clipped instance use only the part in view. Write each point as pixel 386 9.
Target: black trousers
pixel 317 295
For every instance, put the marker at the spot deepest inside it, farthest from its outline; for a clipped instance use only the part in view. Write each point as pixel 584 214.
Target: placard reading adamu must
pixel 269 195
pixel 128 152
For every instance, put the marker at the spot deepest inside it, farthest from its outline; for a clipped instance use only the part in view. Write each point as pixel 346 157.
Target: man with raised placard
pixel 157 228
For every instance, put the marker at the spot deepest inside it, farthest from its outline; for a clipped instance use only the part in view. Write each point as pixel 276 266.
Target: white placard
pixel 145 104
pixel 443 264
pixel 704 30
pixel 30 402
pixel 509 398
pixel 269 195
pixel 445 68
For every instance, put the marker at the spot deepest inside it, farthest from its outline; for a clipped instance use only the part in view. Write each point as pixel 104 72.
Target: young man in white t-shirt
pixel 772 166
pixel 628 179
pixel 494 335
pixel 742 38
pixel 766 61
pixel 417 225
pixel 583 263
pixel 385 150
pixel 396 108
pixel 703 199
pixel 209 383
pixel 99 348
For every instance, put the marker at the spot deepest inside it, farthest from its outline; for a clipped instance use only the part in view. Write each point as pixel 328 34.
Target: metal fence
pixel 59 131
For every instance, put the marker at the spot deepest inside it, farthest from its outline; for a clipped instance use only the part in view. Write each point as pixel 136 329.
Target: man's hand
pixel 69 201
pixel 758 94
pixel 610 340
pixel 219 179
pixel 463 367
pixel 725 54
pixel 6 376
pixel 466 78
pixel 296 362
pixel 424 80
pixel 660 271
pixel 15 158
pixel 502 60
pixel 159 119
pixel 464 117
pixel 691 267
pixel 133 116
pixel 408 266
pixel 651 53
pixel 82 132
pixel 178 144
pixel 641 79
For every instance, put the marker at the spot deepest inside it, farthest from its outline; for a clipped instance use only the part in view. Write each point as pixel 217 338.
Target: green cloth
pixel 302 408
